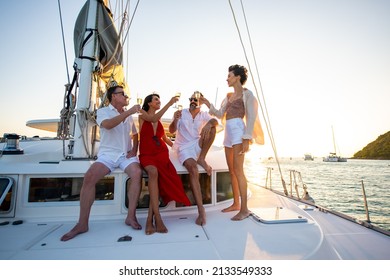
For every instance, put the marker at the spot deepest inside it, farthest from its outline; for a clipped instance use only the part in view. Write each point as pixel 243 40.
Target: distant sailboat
pixel 333 157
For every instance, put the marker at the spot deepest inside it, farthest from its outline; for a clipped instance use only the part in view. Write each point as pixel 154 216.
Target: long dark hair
pixel 147 100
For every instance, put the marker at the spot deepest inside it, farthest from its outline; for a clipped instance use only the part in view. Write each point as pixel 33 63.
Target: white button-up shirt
pixel 188 129
pixel 117 141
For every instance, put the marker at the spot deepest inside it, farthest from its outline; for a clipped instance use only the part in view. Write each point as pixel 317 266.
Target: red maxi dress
pixel 154 151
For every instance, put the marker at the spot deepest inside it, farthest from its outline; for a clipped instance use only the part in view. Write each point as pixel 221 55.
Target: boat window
pixel 205 187
pixel 205 183
pixel 224 186
pixel 5 194
pixel 67 189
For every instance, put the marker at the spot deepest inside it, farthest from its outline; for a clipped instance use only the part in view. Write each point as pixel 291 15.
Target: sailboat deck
pixel 220 238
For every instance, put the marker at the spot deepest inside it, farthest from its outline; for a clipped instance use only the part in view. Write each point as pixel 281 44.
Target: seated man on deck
pixel 117 129
pixel 195 132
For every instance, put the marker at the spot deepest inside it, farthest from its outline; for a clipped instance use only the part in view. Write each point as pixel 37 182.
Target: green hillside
pixel 378 149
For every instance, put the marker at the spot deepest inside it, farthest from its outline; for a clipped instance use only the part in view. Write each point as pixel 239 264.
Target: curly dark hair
pixel 241 71
pixel 147 100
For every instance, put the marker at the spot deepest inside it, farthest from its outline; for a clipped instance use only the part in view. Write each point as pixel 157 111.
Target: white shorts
pixel 122 162
pixel 189 152
pixel 234 130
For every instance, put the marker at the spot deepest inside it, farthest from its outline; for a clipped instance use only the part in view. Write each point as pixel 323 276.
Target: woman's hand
pixel 245 146
pixel 174 100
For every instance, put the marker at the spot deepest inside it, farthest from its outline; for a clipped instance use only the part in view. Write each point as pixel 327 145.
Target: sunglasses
pixel 121 93
pixel 193 99
pixel 156 140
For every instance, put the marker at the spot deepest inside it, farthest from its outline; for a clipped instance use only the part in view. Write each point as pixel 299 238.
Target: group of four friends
pixel 121 146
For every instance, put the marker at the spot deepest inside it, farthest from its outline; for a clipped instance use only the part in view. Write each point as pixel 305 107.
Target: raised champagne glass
pixel 197 96
pixel 139 102
pixel 177 94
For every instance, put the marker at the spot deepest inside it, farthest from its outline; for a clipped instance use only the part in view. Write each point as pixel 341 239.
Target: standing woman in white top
pixel 239 111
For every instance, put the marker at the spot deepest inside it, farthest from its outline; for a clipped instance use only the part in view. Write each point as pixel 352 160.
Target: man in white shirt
pixel 195 132
pixel 118 149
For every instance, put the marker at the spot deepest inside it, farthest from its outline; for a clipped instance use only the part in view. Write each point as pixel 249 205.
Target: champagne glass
pixel 177 94
pixel 180 107
pixel 197 96
pixel 139 102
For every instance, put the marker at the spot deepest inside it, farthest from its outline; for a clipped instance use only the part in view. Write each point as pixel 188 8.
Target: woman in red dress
pixel 154 158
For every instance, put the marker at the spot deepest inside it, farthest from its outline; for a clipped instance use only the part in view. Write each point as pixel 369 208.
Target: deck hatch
pixel 277 215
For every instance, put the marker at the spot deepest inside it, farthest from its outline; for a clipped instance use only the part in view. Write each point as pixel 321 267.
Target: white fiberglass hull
pixel 281 228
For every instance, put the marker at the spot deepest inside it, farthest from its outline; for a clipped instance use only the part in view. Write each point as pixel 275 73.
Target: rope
pixel 86 115
pixel 264 110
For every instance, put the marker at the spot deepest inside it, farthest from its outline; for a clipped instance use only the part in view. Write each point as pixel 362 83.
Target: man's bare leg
pixel 191 165
pixel 203 163
pixel 201 220
pixel 134 172
pixel 205 142
pixel 87 197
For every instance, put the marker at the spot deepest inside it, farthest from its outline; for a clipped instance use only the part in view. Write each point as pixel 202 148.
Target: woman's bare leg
pixel 236 193
pixel 238 162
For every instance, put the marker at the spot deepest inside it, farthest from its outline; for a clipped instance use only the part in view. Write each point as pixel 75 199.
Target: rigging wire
pixel 263 110
pixel 123 34
pixel 124 39
pixel 63 41
pixel 67 110
pixel 131 20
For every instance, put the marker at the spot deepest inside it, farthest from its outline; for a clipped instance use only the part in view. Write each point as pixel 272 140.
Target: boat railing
pixel 268 179
pixel 365 203
pixel 296 185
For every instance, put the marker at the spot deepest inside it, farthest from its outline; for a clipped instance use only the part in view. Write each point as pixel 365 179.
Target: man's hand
pixel 134 109
pixel 177 114
pixel 131 153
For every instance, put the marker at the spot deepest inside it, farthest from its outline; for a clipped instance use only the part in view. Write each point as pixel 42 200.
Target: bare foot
pixel 76 230
pixel 231 208
pixel 241 216
pixel 149 228
pixel 133 223
pixel 160 227
pixel 206 167
pixel 201 220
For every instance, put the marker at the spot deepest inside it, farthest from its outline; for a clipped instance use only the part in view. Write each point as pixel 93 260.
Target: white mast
pixel 86 100
pixel 334 142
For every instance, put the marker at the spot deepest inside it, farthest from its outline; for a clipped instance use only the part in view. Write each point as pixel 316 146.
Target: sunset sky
pixel 321 63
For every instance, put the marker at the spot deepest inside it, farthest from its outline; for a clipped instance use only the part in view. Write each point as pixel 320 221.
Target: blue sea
pixel 335 186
